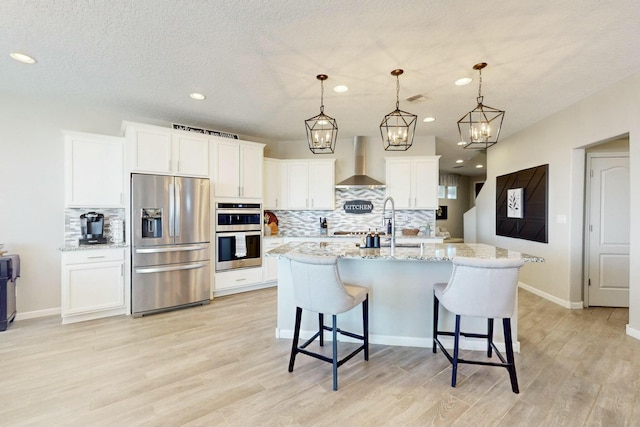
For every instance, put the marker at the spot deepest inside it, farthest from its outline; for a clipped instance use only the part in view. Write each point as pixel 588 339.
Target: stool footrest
pixel 504 363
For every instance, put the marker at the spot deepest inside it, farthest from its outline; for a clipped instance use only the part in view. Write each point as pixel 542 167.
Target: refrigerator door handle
pixel 177 203
pixel 147 270
pixel 172 201
pixel 157 250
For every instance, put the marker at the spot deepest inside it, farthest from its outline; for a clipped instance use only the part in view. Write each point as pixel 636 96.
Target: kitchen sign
pixel 358 206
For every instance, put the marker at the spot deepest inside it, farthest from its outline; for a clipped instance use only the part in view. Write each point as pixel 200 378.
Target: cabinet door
pixel 191 155
pixel 237 278
pixel 251 170
pixel 92 287
pixel 425 183
pixel 297 185
pixel 227 169
pixel 271 184
pixel 398 185
pixel 151 150
pixel 94 171
pixel 322 185
pixel 269 263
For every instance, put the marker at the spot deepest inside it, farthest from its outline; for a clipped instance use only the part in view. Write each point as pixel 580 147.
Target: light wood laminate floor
pixel 220 365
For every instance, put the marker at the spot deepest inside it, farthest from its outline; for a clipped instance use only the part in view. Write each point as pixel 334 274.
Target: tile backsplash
pixel 72 230
pixel 300 223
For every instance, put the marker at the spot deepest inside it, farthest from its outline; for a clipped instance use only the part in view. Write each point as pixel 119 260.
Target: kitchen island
pixel 400 289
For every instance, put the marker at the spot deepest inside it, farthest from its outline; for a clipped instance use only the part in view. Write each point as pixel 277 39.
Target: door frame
pixel 587 217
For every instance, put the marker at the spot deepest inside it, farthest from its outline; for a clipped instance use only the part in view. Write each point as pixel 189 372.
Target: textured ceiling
pixel 257 60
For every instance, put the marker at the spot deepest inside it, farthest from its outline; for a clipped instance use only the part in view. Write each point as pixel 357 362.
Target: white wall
pixel 560 141
pixel 32 215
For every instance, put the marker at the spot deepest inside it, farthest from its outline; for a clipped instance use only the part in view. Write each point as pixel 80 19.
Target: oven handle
pixel 232 233
pixel 171 249
pixel 147 270
pixel 239 211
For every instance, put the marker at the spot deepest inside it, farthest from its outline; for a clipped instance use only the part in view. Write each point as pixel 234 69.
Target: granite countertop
pixel 94 247
pixel 424 252
pixel 349 237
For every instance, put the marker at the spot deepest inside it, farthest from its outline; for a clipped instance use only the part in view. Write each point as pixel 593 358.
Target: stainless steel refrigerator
pixel 171 242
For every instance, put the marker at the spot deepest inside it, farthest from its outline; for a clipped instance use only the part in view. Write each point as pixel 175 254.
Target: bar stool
pixel 479 288
pixel 317 287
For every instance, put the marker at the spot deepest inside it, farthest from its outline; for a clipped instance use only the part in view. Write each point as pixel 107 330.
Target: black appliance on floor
pixel 9 271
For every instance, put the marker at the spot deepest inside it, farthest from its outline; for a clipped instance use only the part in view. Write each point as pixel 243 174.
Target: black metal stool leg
pixel 335 352
pixel 436 307
pixel 296 336
pixel 456 345
pixel 321 328
pixel 365 326
pixel 489 337
pixel 506 324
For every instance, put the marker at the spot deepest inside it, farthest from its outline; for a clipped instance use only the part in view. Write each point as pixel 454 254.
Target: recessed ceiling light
pixel 429 119
pixel 197 96
pixel 479 166
pixel 340 88
pixel 459 161
pixel 463 81
pixel 461 143
pixel 23 58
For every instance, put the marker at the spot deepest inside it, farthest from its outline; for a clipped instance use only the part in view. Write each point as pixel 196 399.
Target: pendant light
pixel 398 127
pixel 322 130
pixel 480 128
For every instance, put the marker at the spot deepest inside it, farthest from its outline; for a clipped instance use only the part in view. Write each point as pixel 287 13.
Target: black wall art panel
pixel 521 204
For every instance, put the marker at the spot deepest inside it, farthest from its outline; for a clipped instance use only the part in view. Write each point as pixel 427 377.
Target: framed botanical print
pixel 514 203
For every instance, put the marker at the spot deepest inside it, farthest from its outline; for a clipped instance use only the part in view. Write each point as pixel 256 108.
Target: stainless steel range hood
pixel 360 178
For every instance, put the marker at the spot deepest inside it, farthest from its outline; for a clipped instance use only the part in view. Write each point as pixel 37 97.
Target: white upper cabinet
pixel 272 194
pixel 94 170
pixel 413 181
pixel 238 167
pixel 166 151
pixel 190 155
pixel 310 184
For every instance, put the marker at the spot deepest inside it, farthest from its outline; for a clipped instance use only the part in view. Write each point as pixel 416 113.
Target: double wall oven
pixel 238 235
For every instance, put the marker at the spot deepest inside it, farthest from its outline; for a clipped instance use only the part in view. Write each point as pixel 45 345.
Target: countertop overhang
pixel 417 252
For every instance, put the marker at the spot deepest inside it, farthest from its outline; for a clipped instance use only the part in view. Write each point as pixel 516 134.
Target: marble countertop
pixel 93 247
pixel 424 252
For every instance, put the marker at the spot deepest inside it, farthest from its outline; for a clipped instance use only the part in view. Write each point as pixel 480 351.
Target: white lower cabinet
pixel 234 281
pixel 93 284
pixel 269 263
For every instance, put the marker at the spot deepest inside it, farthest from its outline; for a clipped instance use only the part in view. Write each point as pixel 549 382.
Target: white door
pixel 608 259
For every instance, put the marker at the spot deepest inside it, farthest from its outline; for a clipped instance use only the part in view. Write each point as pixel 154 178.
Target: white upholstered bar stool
pixel 317 288
pixel 479 288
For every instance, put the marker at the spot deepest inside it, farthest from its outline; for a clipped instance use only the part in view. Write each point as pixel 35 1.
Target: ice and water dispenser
pixel 151 222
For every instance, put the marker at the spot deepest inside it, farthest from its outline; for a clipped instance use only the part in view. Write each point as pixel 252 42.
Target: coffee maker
pixel 92 228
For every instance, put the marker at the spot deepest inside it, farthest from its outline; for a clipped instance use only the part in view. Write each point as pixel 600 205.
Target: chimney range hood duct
pixel 359 178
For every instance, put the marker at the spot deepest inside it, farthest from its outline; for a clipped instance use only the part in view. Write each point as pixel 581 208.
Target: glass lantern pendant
pixel 480 128
pixel 322 130
pixel 398 127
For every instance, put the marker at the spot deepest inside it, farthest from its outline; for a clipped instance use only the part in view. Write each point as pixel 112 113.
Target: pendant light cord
pixel 321 96
pixel 480 98
pixel 397 92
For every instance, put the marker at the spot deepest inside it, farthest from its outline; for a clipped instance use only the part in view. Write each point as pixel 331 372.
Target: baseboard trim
pixel 633 333
pixel 248 288
pixel 553 299
pixel 423 342
pixel 38 313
